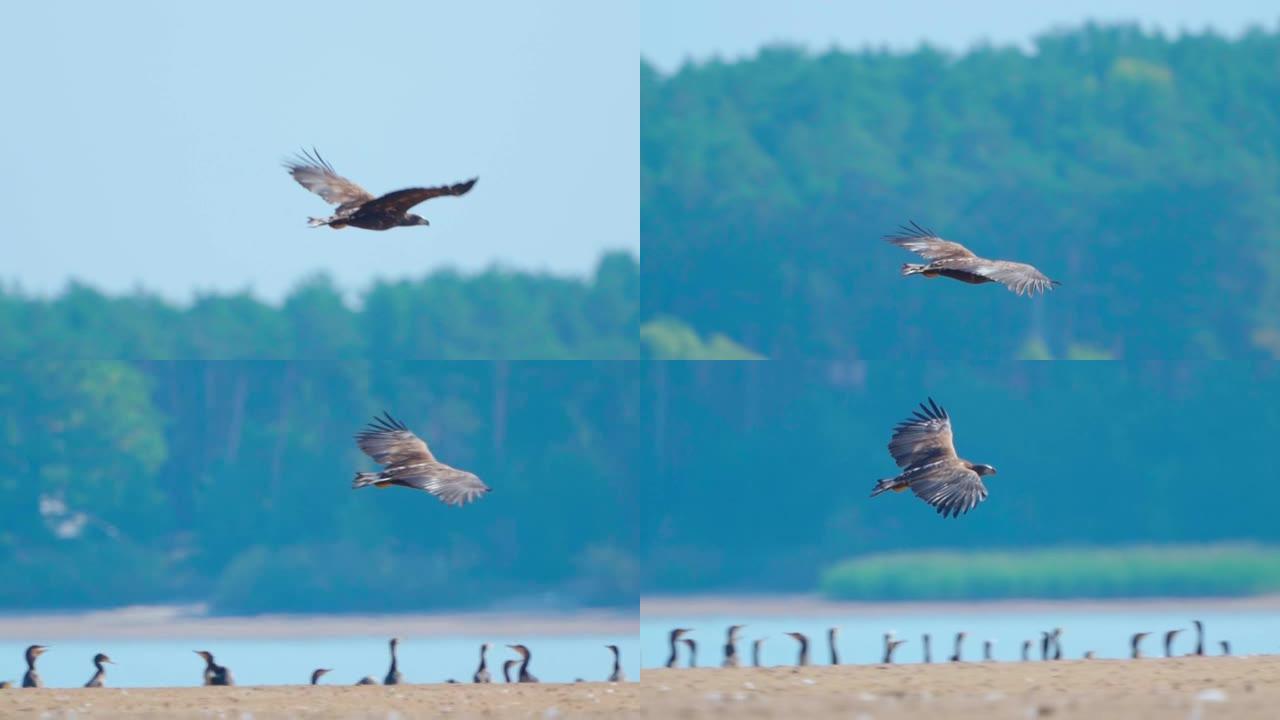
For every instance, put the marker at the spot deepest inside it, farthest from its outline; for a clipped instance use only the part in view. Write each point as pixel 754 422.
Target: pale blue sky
pixel 674 30
pixel 141 141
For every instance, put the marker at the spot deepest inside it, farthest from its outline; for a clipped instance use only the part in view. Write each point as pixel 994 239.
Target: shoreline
pixel 179 621
pixel 790 605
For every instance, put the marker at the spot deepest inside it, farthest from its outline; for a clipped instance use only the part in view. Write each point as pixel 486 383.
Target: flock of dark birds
pixel 1050 645
pixel 220 675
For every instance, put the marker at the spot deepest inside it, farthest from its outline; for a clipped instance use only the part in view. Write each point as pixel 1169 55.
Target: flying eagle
pixel 407 461
pixel 923 448
pixel 358 207
pixel 953 260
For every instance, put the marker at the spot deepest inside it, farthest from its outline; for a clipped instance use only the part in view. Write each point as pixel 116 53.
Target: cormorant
pixel 693 651
pixel 672 638
pixel 928 652
pixel 357 207
pixel 804 648
pixel 368 680
pixel 1199 638
pixel 1057 643
pixel 524 676
pixel 1135 645
pixel 214 674
pixel 393 673
pixel 987 647
pixel 1226 647
pixel 958 655
pixel 32 678
pixel 832 634
pixel 755 651
pixel 617 674
pixel 1169 637
pixel 506 669
pixel 482 672
pixel 319 673
pixel 890 646
pixel 1026 650
pixel 731 646
pixel 101 674
pixel 407 461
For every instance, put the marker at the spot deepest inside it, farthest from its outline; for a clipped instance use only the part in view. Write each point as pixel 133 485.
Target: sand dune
pixel 266 703
pixel 1218 687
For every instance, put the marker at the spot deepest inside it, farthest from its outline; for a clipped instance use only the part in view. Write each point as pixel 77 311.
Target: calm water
pixel 1106 633
pixel 165 663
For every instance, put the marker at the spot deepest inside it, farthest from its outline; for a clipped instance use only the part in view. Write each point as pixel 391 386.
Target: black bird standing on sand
pixel 987 650
pixel 393 673
pixel 1226 647
pixel 482 672
pixel 693 651
pixel 319 673
pixel 368 680
pixel 803 660
pixel 672 638
pixel 101 675
pixel 407 461
pixel 616 675
pixel 32 679
pixel 358 207
pixel 524 675
pixel 891 645
pixel 755 651
pixel 1026 650
pixel 731 646
pixel 1169 637
pixel 1199 638
pixel 507 665
pixel 958 656
pixel 928 653
pixel 1135 645
pixel 214 674
pixel 832 634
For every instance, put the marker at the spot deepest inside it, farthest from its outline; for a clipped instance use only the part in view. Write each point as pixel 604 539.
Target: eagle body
pixel 923 448
pixel 953 260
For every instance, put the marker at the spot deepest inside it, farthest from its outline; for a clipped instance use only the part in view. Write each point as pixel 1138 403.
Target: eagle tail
pixel 364 479
pixel 316 222
pixel 912 269
pixel 887 484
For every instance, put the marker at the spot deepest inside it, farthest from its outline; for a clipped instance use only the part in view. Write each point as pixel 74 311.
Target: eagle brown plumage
pixel 953 260
pixel 358 207
pixel 408 462
pixel 923 447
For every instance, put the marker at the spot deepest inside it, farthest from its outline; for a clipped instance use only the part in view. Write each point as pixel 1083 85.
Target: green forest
pixel 761 475
pixel 444 315
pixel 229 482
pixel 1140 169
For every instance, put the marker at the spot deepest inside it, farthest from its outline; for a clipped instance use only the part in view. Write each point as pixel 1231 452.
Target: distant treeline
pixel 758 474
pixel 445 315
pixel 1141 170
pixel 230 482
pixel 1169 571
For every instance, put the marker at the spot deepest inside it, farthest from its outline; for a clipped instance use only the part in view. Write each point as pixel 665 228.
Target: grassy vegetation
pixel 1165 571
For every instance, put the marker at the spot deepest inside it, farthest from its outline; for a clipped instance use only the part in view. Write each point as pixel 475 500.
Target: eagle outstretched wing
pixel 390 443
pixel 317 175
pixel 452 487
pixel 398 203
pixel 950 487
pixel 927 244
pixel 923 438
pixel 1021 278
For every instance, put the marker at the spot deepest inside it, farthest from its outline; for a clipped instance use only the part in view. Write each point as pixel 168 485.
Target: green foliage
pixel 1169 571
pixel 445 315
pixel 230 481
pixel 1140 169
pixel 669 339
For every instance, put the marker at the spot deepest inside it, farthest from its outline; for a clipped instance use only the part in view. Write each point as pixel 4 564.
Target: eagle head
pixel 984 469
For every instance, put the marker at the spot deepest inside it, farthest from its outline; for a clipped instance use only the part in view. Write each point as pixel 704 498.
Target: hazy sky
pixel 141 141
pixel 674 30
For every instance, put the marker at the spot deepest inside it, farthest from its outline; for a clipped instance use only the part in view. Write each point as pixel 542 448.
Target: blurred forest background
pixel 230 483
pixel 761 474
pixel 444 315
pixel 1140 169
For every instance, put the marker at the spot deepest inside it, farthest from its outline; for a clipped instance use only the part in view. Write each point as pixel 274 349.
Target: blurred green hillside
pixel 1141 170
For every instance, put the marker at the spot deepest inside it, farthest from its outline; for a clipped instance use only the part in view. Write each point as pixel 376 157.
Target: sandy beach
pixel 401 702
pixel 1200 687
